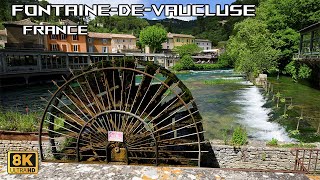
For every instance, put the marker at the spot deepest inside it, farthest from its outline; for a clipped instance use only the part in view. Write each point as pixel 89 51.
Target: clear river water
pixel 223 105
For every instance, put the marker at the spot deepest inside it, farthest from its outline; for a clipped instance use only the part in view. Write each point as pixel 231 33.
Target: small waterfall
pixel 255 117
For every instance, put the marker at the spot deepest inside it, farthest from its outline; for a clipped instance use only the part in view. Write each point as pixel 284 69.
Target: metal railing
pixel 306 160
pixel 306 56
pixel 24 46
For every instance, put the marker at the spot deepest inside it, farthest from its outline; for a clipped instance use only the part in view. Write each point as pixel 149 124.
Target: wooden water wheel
pixel 122 111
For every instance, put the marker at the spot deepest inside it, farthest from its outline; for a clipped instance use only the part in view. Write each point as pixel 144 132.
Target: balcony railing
pixel 24 46
pixel 307 56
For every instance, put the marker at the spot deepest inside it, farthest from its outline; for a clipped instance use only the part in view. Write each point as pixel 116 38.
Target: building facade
pixel 174 40
pixel 204 44
pixel 67 43
pixel 122 42
pixel 99 42
pixel 17 40
pixel 3 38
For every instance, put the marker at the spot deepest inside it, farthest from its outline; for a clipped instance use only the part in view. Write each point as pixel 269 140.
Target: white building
pixel 204 44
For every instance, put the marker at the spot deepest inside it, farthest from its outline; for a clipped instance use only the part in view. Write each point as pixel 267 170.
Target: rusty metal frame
pixel 57 95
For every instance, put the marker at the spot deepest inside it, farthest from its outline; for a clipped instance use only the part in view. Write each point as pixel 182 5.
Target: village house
pixel 123 42
pixel 204 44
pixel 3 38
pixel 174 40
pixel 66 43
pixel 99 42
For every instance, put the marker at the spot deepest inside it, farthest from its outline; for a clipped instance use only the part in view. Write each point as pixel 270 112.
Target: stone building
pixel 17 40
pixel 174 40
pixel 121 42
pixel 204 44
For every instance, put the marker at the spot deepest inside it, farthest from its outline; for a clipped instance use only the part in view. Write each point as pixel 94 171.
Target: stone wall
pixel 225 156
pixel 249 157
pixel 14 145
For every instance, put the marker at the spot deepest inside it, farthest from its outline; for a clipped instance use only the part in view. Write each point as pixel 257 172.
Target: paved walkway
pixel 67 171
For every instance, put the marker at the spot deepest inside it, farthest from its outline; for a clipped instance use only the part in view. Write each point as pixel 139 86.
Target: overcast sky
pixel 147 3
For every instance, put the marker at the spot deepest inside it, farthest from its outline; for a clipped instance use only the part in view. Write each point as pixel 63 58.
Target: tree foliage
pixel 185 63
pixel 153 36
pixel 268 41
pixel 251 48
pixel 187 49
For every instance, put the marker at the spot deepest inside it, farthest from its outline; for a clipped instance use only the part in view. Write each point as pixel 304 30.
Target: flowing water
pixel 224 98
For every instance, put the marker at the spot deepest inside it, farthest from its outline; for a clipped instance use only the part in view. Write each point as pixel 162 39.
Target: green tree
pixel 187 49
pixel 153 36
pixel 251 48
pixel 185 63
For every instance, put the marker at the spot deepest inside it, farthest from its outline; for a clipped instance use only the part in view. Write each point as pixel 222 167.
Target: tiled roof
pixel 3 32
pixel 20 23
pixel 99 35
pixel 128 36
pixel 203 40
pixel 110 35
pixel 171 35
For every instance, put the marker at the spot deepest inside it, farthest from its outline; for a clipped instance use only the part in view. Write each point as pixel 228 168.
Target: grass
pixel 305 99
pixel 15 121
pixel 221 81
pixel 273 142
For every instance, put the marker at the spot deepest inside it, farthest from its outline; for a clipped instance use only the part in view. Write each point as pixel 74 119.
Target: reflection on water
pixel 222 106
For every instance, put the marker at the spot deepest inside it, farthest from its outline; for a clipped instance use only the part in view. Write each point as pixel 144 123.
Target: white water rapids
pixel 255 117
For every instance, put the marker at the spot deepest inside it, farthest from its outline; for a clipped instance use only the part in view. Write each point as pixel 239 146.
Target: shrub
pixel 273 142
pixel 239 136
pixel 185 63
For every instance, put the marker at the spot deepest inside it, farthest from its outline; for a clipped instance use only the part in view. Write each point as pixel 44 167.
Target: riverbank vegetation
pixel 16 121
pixel 296 107
pixel 267 42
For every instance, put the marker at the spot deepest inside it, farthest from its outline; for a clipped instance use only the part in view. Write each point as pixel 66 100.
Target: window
pixel 53 36
pixel 63 36
pixel 75 48
pixel 105 49
pixel 90 48
pixel 104 41
pixel 124 40
pixel 187 40
pixel 54 47
pixel 207 44
pixel 90 40
pixel 75 37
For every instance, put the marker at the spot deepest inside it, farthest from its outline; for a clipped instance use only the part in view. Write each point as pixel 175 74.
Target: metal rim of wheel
pixel 146 108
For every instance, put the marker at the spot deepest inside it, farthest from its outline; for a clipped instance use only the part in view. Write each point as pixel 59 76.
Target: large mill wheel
pixel 122 111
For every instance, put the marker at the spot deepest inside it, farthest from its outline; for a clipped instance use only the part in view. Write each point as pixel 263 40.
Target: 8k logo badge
pixel 23 162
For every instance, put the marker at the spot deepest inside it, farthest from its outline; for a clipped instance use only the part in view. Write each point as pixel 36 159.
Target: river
pixel 228 101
